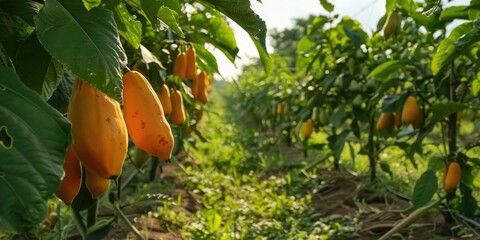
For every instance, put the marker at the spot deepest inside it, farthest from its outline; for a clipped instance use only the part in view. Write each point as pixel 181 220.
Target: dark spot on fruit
pixel 108 119
pixel 143 124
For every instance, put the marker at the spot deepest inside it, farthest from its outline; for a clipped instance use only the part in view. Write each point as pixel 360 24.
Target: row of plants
pixel 412 85
pixel 92 91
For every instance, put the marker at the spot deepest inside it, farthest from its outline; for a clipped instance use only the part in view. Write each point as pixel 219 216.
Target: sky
pixel 280 14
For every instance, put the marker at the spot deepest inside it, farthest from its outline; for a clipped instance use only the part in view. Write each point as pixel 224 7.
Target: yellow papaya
pixel 177 116
pixel 96 185
pixel 180 66
pixel 72 178
pixel 164 96
pixel 452 176
pixel 411 111
pixel 195 85
pixel 100 138
pixel 146 123
pixel 386 121
pixel 308 129
pixel 191 63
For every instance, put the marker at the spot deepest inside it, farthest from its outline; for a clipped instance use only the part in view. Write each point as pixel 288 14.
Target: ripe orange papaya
pixel 146 123
pixel 195 85
pixel 452 177
pixel 72 178
pixel 386 122
pixel 308 129
pixel 180 65
pixel 177 116
pixel 202 87
pixel 100 138
pixel 164 96
pixel 191 63
pixel 418 122
pixel 411 111
pixel 96 185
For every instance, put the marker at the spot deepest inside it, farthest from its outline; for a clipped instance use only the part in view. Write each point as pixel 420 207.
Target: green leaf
pixel 213 29
pixel 128 27
pixel 41 73
pixel 383 70
pixel 468 202
pixel 239 11
pixel 386 168
pixel 392 103
pixel 89 4
pixel 87 42
pixel 424 189
pixel 441 110
pixel 476 85
pixel 13 27
pixel 170 18
pixel 205 59
pixel 34 138
pixel 338 116
pixel 159 14
pixel 390 5
pixel 61 96
pixel 446 51
pixel 354 36
pixel 327 6
pixel 454 12
pixel 25 9
pixel 264 57
pixel 340 143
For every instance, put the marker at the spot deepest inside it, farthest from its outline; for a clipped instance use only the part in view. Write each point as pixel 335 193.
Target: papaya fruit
pixel 140 157
pixel 195 86
pixel 100 138
pixel 164 96
pixel 386 121
pixel 72 178
pixel 177 116
pixel 452 176
pixel 392 24
pixel 307 132
pixel 202 87
pixel 418 122
pixel 411 111
pixel 96 185
pixel 398 119
pixel 280 108
pixel 191 63
pixel 146 123
pixel 180 66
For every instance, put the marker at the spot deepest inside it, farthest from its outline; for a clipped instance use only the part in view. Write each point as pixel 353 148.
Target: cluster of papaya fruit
pixel 143 118
pixel 410 114
pixel 93 113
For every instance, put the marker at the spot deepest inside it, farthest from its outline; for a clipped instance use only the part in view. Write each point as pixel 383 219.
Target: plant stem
pixel 452 123
pixel 127 222
pixel 372 157
pixel 92 214
pixel 77 218
pixel 153 169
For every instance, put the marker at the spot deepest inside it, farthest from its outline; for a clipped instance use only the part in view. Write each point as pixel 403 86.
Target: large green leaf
pixel 212 28
pixel 33 142
pixel 205 59
pixel 327 5
pixel 446 51
pixel 383 70
pixel 128 27
pixel 424 189
pixel 441 110
pixel 454 12
pixel 87 42
pixel 264 57
pixel 239 11
pixel 26 9
pixel 37 69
